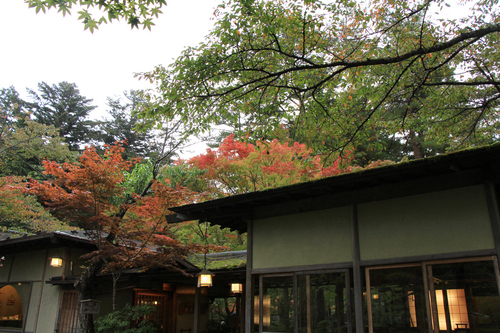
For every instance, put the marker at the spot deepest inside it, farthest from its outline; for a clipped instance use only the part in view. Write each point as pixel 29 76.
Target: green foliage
pixel 135 12
pixel 173 176
pixel 12 104
pixel 222 315
pixel 180 174
pixel 63 107
pixel 217 263
pixel 121 126
pixel 24 143
pixel 138 179
pixel 214 236
pixel 340 74
pixel 23 213
pixel 130 319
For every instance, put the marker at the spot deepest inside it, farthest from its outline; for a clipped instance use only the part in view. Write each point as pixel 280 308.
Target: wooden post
pixel 196 310
pixel 356 272
pixel 249 281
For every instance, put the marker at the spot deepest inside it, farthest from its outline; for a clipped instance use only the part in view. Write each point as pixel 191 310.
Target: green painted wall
pixel 5 269
pixel 311 238
pixel 33 306
pixel 49 308
pixel 440 222
pixel 28 266
pixel 78 263
pixel 41 313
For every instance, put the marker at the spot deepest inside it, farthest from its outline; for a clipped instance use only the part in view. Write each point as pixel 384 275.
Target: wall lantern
pixel 56 262
pixel 236 288
pixel 205 278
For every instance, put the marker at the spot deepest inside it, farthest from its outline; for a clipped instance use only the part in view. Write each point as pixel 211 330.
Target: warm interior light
pixel 56 262
pixel 236 288
pixel 205 279
pixel 457 307
pixel 266 310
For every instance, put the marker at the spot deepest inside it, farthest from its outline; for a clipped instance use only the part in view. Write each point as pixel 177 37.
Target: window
pixel 162 303
pixel 444 296
pixel 466 296
pixel 309 302
pixel 13 301
pixel 396 299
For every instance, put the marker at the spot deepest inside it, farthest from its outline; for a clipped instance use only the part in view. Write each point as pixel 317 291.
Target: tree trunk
pixel 115 280
pixel 417 150
pixel 85 289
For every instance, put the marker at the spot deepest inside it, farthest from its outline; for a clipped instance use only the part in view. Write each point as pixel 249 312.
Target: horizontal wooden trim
pixel 288 269
pixel 431 257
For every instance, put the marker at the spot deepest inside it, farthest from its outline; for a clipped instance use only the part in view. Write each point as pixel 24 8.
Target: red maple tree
pixel 239 167
pixel 129 229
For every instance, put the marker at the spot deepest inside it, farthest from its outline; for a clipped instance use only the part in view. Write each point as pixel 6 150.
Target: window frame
pixel 430 302
pixel 294 275
pixel 27 302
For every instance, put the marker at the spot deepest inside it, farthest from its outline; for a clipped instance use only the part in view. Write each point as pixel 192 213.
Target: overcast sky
pixel 52 48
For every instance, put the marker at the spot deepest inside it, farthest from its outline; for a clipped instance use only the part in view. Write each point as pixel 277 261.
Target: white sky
pixel 52 48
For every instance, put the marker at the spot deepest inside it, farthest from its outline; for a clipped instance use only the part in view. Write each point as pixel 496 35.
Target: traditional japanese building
pixel 37 288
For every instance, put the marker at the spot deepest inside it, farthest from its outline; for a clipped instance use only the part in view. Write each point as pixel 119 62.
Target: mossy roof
pixel 220 261
pixel 235 211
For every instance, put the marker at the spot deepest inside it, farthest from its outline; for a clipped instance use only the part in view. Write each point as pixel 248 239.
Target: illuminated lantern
pixel 56 262
pixel 205 278
pixel 236 288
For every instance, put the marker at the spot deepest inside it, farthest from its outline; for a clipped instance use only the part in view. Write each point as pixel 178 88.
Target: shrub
pixel 130 319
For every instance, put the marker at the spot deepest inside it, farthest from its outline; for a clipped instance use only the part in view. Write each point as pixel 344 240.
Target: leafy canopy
pixel 331 73
pixel 121 126
pixel 62 106
pixel 23 213
pixel 24 143
pixel 93 13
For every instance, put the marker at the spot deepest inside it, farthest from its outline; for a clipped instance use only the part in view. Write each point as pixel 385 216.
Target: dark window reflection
pixel 398 300
pixel 278 306
pixel 467 297
pixel 322 303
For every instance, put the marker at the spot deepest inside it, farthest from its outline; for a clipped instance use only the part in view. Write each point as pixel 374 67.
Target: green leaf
pixel 147 24
pixel 134 22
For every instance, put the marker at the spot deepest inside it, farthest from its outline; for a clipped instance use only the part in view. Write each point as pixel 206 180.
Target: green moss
pixel 218 263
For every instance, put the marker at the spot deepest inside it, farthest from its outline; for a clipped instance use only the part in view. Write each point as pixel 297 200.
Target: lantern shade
pixel 205 278
pixel 56 262
pixel 236 288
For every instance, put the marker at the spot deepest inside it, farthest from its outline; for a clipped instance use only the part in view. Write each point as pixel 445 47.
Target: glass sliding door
pixel 396 299
pixel 322 303
pixel 460 296
pixel 277 311
pixel 305 302
pixel 465 295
